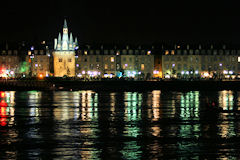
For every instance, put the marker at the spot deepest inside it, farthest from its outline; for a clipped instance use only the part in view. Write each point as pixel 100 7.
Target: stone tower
pixel 64 54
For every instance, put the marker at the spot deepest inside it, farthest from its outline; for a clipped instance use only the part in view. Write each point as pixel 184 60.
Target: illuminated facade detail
pixel 64 54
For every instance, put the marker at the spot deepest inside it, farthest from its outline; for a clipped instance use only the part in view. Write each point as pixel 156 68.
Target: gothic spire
pixel 65 24
pixel 59 38
pixel 71 38
pixel 76 41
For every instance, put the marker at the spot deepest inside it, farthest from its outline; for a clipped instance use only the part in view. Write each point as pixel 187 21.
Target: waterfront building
pixel 64 54
pixel 9 63
pixel 39 63
pixel 204 63
pixel 110 63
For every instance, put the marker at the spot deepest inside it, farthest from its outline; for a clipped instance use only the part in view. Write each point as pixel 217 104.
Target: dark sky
pixel 121 22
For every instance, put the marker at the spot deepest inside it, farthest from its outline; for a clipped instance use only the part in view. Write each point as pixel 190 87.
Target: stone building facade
pixel 64 54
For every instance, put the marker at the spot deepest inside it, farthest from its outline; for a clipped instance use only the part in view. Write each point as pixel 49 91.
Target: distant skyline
pixel 116 22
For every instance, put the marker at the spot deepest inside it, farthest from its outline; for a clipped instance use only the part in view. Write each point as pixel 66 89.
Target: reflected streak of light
pixel 156 131
pixel 132 113
pixel 190 105
pixel 156 105
pixel 89 106
pixel 112 105
pixel 226 99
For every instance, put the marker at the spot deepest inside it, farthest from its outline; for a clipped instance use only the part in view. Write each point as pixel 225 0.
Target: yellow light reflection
pixel 226 100
pixel 156 105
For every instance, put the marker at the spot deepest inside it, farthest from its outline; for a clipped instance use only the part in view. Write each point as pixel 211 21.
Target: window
pixel 98 66
pixel 91 66
pixel 112 59
pixel 60 59
pixel 112 67
pixel 85 59
pixel 185 67
pixel 167 66
pixel 105 66
pixel 142 66
pixel 69 60
pixel 97 59
pixel 166 52
pixel 130 59
pixel 179 66
pixel 118 67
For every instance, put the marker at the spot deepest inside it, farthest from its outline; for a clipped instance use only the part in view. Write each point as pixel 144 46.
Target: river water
pixel 118 125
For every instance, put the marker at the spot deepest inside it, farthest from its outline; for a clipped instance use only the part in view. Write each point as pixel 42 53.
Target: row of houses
pixel 137 63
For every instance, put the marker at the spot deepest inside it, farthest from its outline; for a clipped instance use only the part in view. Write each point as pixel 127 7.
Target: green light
pixel 24 67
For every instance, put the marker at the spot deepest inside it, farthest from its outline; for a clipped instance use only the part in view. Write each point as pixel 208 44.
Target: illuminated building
pixel 117 62
pixel 39 62
pixel 198 62
pixel 9 63
pixel 64 54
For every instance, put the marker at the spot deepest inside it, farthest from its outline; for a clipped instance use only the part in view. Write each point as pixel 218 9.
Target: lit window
pixel 142 66
pixel 29 53
pixel 167 52
pixel 60 59
pixel 112 59
pixel 105 66
pixel 238 59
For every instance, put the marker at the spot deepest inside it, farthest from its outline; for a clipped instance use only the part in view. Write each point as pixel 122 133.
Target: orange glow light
pixel 2 94
pixel 40 76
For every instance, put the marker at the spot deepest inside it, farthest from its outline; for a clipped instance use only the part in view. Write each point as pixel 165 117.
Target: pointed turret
pixel 65 24
pixel 59 41
pixel 71 38
pixel 71 45
pixel 76 41
pixel 59 38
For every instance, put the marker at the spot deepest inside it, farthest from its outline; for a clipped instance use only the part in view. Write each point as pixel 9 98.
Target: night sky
pixel 121 22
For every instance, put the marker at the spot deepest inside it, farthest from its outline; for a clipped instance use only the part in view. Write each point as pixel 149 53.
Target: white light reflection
pixel 226 100
pixel 132 112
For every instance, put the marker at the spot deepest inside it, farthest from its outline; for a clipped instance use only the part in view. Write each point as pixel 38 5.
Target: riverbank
pixel 118 85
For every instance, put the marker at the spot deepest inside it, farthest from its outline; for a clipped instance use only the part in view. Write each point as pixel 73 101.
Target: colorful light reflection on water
pixel 112 125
